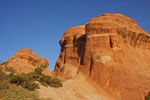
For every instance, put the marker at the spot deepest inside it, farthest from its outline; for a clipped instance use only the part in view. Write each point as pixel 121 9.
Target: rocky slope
pixel 26 61
pixel 112 51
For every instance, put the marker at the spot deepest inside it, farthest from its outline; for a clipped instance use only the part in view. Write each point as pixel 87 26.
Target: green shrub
pixel 24 81
pixel 16 87
pixel 28 80
pixel 147 97
pixel 34 76
pixel 43 66
pixel 30 86
pixel 16 79
pixel 38 70
pixel 55 83
pixel 46 80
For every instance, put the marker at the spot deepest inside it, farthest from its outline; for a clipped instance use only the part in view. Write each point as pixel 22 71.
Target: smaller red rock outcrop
pixel 26 61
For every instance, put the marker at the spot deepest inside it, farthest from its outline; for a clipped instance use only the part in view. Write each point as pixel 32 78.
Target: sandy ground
pixel 74 89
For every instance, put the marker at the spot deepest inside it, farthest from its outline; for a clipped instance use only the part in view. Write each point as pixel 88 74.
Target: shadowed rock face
pixel 26 61
pixel 72 52
pixel 112 51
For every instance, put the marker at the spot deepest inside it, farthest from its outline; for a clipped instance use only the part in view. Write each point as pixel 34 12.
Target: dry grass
pixel 18 93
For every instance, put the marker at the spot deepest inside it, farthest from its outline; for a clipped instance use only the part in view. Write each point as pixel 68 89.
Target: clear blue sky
pixel 39 24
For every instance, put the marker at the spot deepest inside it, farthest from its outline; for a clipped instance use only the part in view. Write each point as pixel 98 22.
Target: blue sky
pixel 39 24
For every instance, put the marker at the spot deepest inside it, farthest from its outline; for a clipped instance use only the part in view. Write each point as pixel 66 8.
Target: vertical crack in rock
pixel 74 40
pixel 110 41
pixel 81 48
pixel 91 65
pixel 65 58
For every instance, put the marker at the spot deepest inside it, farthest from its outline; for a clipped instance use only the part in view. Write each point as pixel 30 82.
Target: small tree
pixel 30 86
pixel 16 79
pixel 38 70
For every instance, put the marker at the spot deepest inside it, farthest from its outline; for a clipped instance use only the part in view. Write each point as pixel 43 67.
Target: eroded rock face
pixel 72 51
pixel 26 61
pixel 112 51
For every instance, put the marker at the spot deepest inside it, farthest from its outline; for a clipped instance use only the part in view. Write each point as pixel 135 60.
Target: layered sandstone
pixel 26 61
pixel 72 52
pixel 112 51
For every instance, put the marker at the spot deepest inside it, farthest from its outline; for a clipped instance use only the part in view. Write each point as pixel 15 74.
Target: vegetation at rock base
pixel 10 69
pixel 15 92
pixel 147 97
pixel 21 87
pixel 29 81
pixel 10 91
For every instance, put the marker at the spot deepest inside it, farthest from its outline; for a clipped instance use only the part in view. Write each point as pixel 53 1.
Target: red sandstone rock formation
pixel 26 61
pixel 112 51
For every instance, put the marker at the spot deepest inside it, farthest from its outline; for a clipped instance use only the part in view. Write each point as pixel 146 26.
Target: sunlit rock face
pixel 112 51
pixel 26 61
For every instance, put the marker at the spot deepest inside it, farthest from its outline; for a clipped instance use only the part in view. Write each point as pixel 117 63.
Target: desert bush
pixel 28 80
pixel 17 79
pixel 55 83
pixel 34 76
pixel 24 81
pixel 21 87
pixel 147 97
pixel 30 86
pixel 43 66
pixel 46 80
pixel 38 71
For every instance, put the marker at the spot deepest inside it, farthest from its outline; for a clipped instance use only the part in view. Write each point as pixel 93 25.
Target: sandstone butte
pixel 26 61
pixel 112 52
